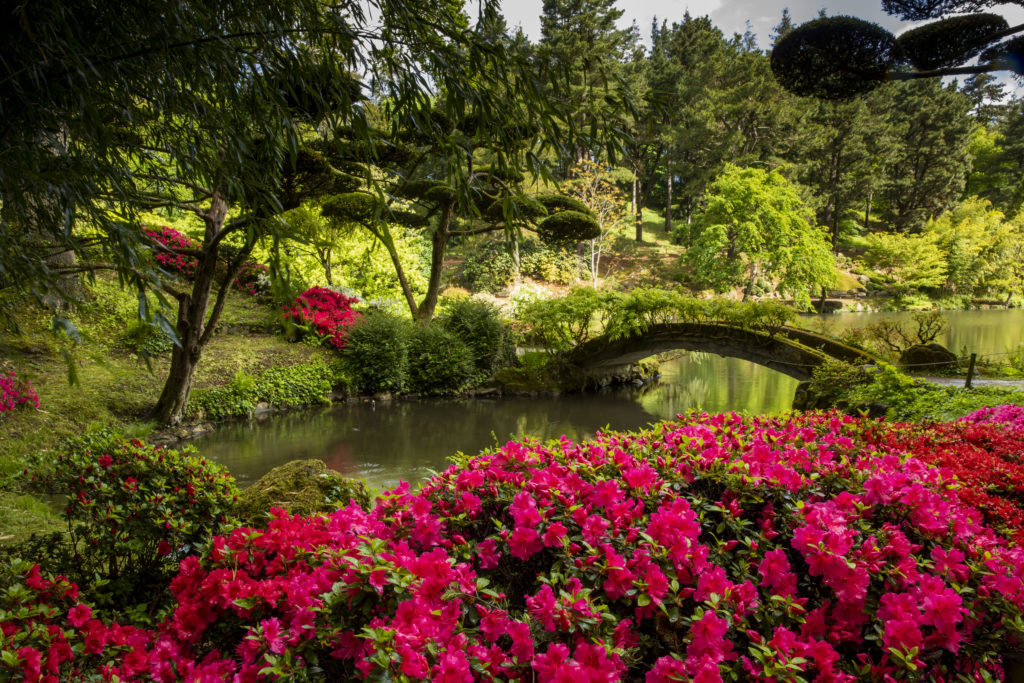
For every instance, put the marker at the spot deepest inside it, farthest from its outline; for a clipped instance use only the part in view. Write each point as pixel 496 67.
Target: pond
pixel 388 441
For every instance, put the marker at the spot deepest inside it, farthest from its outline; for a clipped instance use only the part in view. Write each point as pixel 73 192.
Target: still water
pixel 385 442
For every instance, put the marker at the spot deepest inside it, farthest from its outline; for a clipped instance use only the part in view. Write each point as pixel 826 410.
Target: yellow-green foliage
pixel 979 246
pixel 560 324
pixel 909 261
pixel 359 262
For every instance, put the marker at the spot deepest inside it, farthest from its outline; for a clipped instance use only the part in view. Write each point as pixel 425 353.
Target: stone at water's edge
pixel 301 487
pixel 927 358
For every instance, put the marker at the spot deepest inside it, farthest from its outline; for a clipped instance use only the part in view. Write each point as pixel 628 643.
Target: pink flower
pixel 708 639
pixel 542 607
pixel 488 554
pixel 79 614
pixel 524 542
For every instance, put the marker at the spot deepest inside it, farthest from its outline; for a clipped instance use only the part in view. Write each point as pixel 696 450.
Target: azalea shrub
pixel 47 634
pixel 716 547
pixel 985 450
pixel 133 510
pixel 182 265
pixel 252 278
pixel 16 393
pixel 324 312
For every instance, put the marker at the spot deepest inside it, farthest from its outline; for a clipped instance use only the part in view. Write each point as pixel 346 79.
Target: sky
pixel 732 15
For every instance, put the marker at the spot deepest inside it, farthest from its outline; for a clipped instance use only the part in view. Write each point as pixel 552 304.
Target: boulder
pixel 302 487
pixel 928 358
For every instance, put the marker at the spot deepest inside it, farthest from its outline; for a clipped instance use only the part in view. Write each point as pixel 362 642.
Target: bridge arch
pixel 788 350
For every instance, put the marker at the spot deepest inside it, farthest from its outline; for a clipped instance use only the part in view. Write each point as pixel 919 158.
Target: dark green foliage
pixel 491 267
pixel 561 202
pixel 916 10
pixel 377 353
pixel 950 41
pixel 834 57
pixel 296 385
pixel 439 362
pixel 145 339
pixel 567 227
pixel 479 325
pixel 1008 55
pixel 524 208
pixel 133 512
pixel 834 379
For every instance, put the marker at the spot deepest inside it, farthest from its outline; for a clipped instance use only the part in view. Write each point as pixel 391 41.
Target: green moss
pixel 302 487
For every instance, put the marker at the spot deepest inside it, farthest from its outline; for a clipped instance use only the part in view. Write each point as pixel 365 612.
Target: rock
pixel 261 408
pixel 303 487
pixel 928 358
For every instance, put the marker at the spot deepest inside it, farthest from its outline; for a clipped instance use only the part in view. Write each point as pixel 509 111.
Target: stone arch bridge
pixel 789 350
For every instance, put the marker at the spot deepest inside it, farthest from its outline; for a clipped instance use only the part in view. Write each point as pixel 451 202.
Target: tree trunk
pixel 638 220
pixel 517 263
pixel 750 281
pixel 326 259
pixel 439 244
pixel 668 207
pixel 192 325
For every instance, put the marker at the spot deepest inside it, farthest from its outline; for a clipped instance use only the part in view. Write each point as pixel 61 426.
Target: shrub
pixel 490 267
pixel 46 631
pixel 718 547
pixel 176 264
pixel 439 362
pixel 15 393
pixel 145 339
pixel 377 354
pixel 479 325
pixel 834 379
pixel 324 312
pixel 252 277
pixel 133 510
pixel 917 400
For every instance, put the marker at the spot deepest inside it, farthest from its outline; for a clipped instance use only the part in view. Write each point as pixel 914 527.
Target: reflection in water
pixel 404 440
pixel 982 332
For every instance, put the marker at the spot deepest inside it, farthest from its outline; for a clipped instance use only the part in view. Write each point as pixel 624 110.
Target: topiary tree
pixel 756 227
pixel 464 198
pixel 839 57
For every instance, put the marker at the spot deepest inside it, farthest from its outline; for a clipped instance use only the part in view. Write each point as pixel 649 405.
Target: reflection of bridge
pixel 789 350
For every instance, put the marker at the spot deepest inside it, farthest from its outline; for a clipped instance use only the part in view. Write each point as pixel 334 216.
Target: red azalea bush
pixel 252 277
pixel 325 312
pixel 132 509
pixel 15 393
pixel 179 264
pixel 48 635
pixel 715 548
pixel 985 450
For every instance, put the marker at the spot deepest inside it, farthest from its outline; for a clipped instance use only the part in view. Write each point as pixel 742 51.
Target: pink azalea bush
pixel 16 393
pixel 1010 416
pixel 325 312
pixel 718 547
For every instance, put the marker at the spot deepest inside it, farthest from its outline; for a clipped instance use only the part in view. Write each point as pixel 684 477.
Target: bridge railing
pixel 584 314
